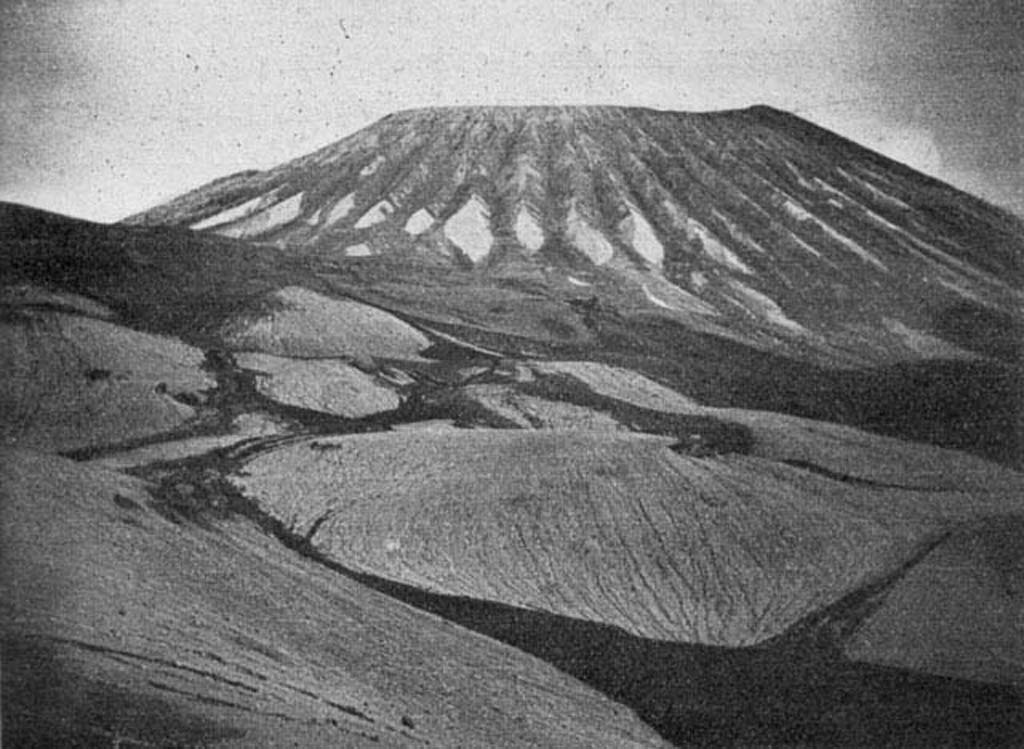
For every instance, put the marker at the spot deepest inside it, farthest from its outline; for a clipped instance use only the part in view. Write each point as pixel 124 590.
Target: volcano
pixel 752 224
pixel 519 426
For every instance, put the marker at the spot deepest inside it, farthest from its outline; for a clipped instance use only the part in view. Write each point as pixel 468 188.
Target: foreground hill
pixel 124 625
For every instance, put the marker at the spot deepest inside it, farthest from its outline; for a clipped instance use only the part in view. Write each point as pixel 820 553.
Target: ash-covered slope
pixel 752 223
pixel 124 623
pixel 751 570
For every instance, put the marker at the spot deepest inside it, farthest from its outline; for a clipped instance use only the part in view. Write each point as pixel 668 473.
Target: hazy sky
pixel 109 106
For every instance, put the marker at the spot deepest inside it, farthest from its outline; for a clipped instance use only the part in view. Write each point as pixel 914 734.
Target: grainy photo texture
pixel 522 374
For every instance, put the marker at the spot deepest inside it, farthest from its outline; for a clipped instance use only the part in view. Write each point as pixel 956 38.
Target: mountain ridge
pixel 750 222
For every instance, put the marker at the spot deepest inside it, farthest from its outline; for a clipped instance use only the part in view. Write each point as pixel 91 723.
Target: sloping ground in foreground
pixel 122 626
pixel 604 527
pixel 70 382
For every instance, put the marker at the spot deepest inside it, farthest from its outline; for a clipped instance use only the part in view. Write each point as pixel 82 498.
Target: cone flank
pixel 783 222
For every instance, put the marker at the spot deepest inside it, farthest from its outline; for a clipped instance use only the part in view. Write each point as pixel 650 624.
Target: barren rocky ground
pixel 519 428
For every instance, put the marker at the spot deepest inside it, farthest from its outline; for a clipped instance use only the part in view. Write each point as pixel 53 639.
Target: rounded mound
pixel 607 527
pixel 325 385
pixel 72 382
pixel 301 323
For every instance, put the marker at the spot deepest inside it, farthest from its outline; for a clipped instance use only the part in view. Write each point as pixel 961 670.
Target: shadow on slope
pixel 797 689
pixel 169 281
pixel 38 684
pixel 974 406
pixel 792 693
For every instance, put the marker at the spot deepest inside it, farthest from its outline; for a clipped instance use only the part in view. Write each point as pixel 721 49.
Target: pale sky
pixel 110 106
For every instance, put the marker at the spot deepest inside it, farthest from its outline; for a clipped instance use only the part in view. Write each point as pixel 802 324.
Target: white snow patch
pixel 681 299
pixel 805 246
pixel 920 342
pixel 766 307
pixel 342 208
pixel 640 235
pixel 259 223
pixel 796 210
pixel 677 214
pixel 656 300
pixel 799 177
pixel 359 250
pixel 576 281
pixel 962 291
pixel 372 167
pixel 224 217
pixel 525 173
pixel 663 293
pixel 463 344
pixel 314 219
pixel 872 216
pixel 419 222
pixel 852 246
pixel 875 192
pixel 827 187
pixel 715 249
pixel 929 252
pixel 375 215
pixel 528 231
pixel 470 229
pixel 587 239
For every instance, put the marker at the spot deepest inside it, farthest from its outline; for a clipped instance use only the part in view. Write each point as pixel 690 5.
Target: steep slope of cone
pixel 123 624
pixel 752 219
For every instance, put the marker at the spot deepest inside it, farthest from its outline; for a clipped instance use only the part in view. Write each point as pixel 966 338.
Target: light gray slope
pixel 326 385
pixel 123 627
pixel 958 613
pixel 607 527
pixel 294 321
